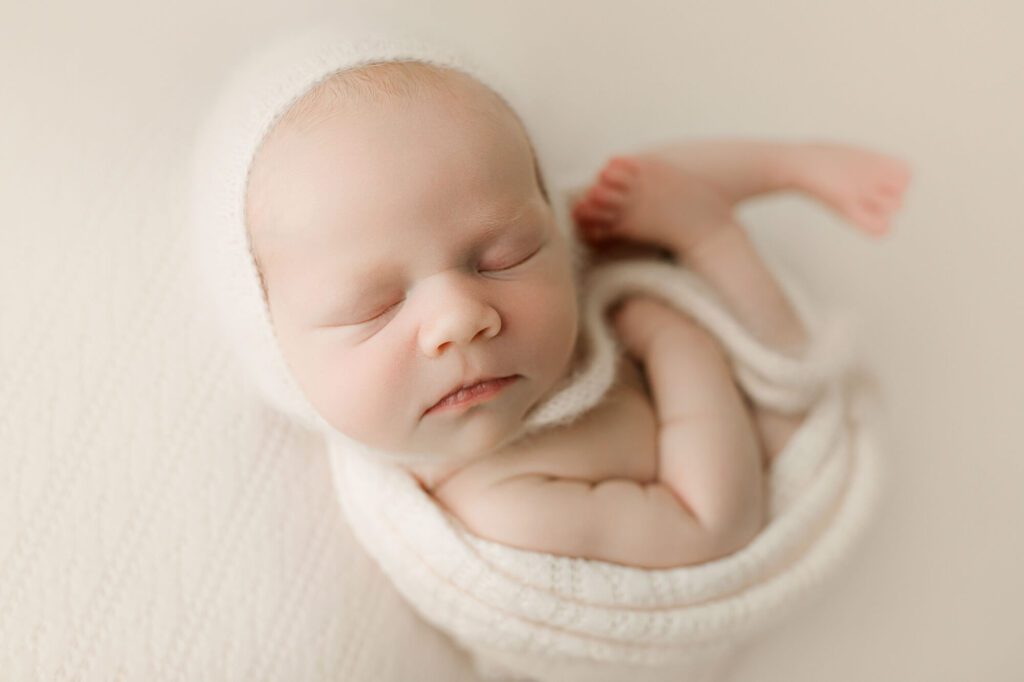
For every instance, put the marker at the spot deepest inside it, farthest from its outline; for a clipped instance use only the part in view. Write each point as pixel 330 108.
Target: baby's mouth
pixel 468 395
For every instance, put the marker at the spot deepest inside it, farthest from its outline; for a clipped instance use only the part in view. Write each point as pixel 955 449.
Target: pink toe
pixel 620 170
pixel 872 216
pixel 590 211
pixel 899 178
pixel 892 202
pixel 593 230
pixel 618 175
pixel 606 195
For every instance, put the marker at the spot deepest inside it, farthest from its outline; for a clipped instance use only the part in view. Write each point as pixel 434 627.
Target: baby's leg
pixel 864 186
pixel 693 220
pixel 681 198
pixel 708 449
pixel 729 261
pixel 740 168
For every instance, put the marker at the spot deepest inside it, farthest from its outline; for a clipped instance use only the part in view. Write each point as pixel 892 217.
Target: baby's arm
pixel 617 520
pixel 705 500
pixel 709 454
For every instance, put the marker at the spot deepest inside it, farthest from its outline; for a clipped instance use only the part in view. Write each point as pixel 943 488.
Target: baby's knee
pixel 640 320
pixel 683 330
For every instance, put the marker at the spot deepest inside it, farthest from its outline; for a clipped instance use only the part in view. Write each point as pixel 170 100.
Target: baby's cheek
pixel 550 318
pixel 365 396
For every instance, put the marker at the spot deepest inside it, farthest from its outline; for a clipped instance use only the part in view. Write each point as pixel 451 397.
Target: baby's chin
pixel 478 439
pixel 439 462
pixel 476 436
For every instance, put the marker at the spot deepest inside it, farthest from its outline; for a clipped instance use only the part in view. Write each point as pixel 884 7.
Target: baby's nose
pixel 458 321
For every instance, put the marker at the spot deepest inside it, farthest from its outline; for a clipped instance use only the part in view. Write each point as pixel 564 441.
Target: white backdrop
pixel 156 522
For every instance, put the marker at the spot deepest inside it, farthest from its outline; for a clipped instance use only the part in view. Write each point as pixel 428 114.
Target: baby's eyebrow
pixel 499 219
pixel 492 227
pixel 489 227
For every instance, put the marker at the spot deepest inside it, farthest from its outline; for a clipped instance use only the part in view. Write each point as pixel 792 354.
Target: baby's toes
pixel 869 214
pixel 620 172
pixel 900 174
pixel 886 192
pixel 885 197
pixel 892 177
pixel 593 216
pixel 599 211
pixel 596 233
pixel 873 194
pixel 607 196
pixel 589 210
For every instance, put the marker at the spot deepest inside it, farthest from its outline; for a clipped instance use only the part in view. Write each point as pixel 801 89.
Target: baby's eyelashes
pixel 337 321
pixel 513 265
pixel 383 312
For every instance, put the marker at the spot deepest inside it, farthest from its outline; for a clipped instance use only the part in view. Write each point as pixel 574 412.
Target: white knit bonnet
pixel 254 99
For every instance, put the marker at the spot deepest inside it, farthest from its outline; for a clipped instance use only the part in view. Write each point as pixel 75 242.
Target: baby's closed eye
pixel 501 264
pixel 509 263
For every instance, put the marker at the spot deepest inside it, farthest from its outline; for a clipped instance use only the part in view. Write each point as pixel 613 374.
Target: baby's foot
pixel 649 200
pixel 866 187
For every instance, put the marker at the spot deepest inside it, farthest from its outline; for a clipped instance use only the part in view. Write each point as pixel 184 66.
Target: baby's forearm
pixel 729 261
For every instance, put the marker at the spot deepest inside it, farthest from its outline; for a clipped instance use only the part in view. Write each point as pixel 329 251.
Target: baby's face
pixel 407 250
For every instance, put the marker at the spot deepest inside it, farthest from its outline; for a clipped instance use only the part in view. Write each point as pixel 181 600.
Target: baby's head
pixel 407 246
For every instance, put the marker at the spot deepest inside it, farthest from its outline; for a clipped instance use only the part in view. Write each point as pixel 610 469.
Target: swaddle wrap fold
pixel 533 615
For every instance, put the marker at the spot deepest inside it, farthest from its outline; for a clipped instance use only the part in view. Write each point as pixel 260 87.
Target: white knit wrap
pixel 527 613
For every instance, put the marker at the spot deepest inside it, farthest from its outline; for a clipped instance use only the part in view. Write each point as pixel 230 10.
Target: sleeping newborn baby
pixel 425 300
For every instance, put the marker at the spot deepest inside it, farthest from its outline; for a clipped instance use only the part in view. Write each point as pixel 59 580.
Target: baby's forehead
pixel 366 91
pixel 393 83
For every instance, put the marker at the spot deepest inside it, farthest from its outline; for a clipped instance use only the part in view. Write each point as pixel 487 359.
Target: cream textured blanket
pixel 555 618
pixel 527 614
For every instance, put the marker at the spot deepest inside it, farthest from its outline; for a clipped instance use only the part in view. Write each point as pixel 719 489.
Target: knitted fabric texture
pixel 524 613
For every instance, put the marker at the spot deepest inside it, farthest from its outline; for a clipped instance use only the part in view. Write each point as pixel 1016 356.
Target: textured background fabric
pixel 157 522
